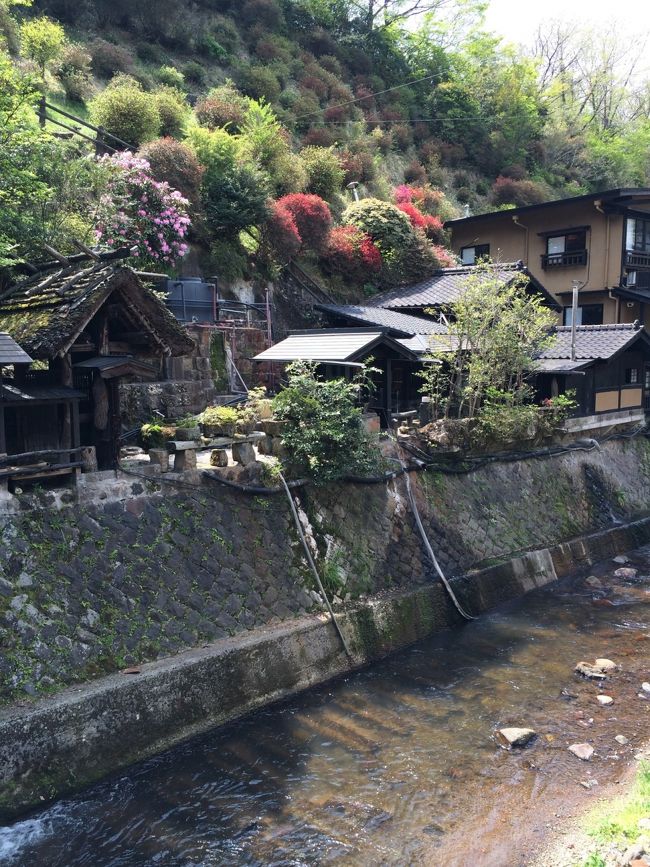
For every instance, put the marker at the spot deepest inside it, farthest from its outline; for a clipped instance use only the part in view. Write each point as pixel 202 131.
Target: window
pixel 471 255
pixel 588 314
pixel 637 236
pixel 631 375
pixel 566 249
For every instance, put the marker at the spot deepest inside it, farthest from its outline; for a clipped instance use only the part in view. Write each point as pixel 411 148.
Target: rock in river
pixel 604 700
pixel 626 573
pixel 596 670
pixel 582 751
pixel 515 737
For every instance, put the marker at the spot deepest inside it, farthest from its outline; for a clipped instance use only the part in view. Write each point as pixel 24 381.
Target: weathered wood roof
pixel 47 312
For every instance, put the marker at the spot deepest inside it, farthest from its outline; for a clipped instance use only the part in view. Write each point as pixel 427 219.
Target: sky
pixel 518 20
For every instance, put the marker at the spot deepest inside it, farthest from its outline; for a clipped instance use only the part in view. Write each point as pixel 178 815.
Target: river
pixel 393 765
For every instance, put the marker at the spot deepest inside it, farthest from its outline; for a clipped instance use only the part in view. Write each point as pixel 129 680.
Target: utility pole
pixel 575 286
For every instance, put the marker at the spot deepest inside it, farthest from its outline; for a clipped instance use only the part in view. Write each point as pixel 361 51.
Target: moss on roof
pixel 45 313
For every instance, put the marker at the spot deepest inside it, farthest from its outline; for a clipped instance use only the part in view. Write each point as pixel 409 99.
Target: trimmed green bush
pixel 125 110
pixel 324 171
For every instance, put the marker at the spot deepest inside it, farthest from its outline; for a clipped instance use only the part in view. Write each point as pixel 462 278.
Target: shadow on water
pixel 386 766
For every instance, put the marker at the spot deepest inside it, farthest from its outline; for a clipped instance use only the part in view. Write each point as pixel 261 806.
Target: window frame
pixel 566 314
pixel 480 252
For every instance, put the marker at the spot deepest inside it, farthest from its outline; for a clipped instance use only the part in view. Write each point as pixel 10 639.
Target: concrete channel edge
pixel 60 744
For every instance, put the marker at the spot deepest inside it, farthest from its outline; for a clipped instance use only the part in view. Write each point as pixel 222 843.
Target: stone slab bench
pixel 184 452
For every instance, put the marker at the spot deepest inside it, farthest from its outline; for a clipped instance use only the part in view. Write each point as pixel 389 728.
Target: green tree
pixel 8 26
pixel 323 431
pixel 43 41
pixel 488 354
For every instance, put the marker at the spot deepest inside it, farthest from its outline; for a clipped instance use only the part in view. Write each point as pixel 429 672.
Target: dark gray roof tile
pixel 400 322
pixel 592 341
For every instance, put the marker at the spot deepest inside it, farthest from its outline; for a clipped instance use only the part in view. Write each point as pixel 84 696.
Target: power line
pixel 371 95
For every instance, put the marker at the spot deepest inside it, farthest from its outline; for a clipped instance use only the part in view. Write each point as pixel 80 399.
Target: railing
pixel 641 280
pixel 637 260
pixel 47 462
pixel 308 285
pixel 575 259
pixel 104 141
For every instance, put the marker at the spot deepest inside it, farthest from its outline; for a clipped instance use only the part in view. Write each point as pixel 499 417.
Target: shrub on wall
pixel 312 216
pixel 384 223
pixel 223 107
pixel 259 82
pixel 74 72
pixel 170 77
pixel 126 111
pixel 108 59
pixel 352 254
pixel 281 233
pixel 176 163
pixel 324 171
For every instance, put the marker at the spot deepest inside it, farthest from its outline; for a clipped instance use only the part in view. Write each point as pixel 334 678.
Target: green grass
pixel 619 823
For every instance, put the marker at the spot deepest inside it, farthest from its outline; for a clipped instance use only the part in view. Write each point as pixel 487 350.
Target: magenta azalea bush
pixel 137 210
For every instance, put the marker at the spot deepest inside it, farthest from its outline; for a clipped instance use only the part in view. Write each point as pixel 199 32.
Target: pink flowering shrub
pixel 139 211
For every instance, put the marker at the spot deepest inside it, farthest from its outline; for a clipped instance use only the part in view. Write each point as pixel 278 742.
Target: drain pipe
pixel 427 545
pixel 312 565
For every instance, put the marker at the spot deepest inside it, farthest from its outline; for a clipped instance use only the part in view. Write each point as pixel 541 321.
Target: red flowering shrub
pixel 444 257
pixel 312 217
pixel 417 219
pixel 431 226
pixel 352 254
pixel 281 233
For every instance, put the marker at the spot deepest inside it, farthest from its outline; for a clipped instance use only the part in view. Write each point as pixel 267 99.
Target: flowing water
pixel 393 765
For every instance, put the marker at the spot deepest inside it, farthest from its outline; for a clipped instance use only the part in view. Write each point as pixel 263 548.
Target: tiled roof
pixel 446 286
pixel 399 322
pixel 593 341
pixel 344 344
pixel 10 352
pixel 46 313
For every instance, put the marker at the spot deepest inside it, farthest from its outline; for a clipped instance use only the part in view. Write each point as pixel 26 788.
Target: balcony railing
pixel 574 259
pixel 637 260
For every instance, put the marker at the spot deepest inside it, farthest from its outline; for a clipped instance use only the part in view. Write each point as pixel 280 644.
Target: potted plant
pixel 219 421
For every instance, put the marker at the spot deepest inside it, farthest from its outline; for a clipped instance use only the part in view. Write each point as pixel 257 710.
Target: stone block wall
pixel 141 570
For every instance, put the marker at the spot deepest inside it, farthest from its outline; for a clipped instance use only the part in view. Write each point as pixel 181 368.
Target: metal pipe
pixel 575 287
pixel 312 565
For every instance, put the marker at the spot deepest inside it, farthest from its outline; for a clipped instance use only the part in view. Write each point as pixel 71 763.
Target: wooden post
pixel 41 111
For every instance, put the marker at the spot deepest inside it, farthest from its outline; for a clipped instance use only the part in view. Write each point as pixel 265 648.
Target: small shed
pixel 609 370
pixel 339 352
pixel 89 323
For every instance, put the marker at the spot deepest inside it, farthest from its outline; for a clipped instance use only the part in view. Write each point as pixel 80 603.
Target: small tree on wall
pixel 489 353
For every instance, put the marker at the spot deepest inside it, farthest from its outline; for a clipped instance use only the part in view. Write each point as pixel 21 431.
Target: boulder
pixel 594 582
pixel 594 670
pixel 621 559
pixel 604 700
pixel 515 737
pixel 218 458
pixel 645 686
pixel 582 751
pixel 621 739
pixel 243 453
pixel 626 573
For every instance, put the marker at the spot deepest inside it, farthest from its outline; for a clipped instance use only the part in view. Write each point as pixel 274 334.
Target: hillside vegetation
pixel 262 113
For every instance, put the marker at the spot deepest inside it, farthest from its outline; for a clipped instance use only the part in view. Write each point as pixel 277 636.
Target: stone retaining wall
pixel 137 570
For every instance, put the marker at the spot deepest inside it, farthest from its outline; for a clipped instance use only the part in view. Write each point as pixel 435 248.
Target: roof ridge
pixel 610 326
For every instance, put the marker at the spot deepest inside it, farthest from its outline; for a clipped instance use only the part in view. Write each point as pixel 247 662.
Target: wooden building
pixel 339 352
pixel 86 325
pixel 610 372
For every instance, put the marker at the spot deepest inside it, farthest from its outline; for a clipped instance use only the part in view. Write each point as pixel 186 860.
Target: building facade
pixel 600 241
